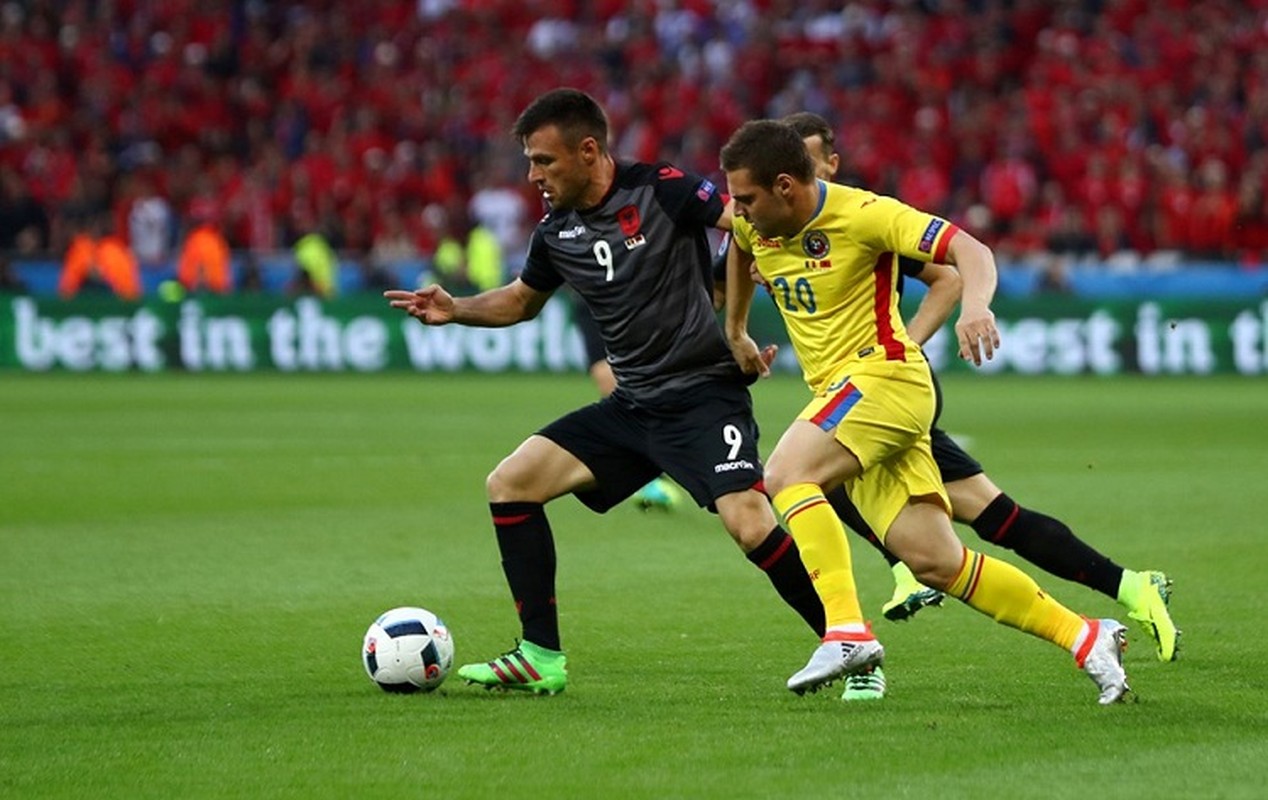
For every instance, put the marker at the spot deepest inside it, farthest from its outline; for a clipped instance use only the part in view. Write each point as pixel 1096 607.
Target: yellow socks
pixel 1002 591
pixel 820 537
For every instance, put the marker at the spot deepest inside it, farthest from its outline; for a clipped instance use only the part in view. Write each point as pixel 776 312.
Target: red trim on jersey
pixel 940 254
pixel 884 272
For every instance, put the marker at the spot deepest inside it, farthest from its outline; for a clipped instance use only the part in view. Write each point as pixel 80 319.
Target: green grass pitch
pixel 187 565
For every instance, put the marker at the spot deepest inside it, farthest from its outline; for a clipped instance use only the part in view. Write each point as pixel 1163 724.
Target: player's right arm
pixel 496 308
pixel 739 299
pixel 936 306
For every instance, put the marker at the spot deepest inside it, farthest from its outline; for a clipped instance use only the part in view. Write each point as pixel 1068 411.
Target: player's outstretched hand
pixel 430 305
pixel 751 360
pixel 977 334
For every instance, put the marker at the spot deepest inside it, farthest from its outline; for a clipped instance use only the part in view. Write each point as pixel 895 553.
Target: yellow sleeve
pixel 890 225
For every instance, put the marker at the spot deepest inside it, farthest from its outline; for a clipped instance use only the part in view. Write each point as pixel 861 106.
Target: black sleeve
pixel 538 273
pixel 686 197
pixel 719 259
pixel 910 266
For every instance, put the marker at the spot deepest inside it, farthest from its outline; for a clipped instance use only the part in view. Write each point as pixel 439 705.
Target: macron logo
pixel 731 466
pixel 573 233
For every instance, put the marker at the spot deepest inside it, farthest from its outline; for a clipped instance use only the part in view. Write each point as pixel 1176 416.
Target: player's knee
pixel 507 484
pixel 775 481
pixel 934 573
pixel 747 517
pixel 748 536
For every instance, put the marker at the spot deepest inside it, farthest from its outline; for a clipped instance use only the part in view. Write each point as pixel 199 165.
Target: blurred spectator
pixel 484 259
pixel 150 223
pixel 296 113
pixel 499 207
pixel 10 281
pixel 205 261
pixel 316 265
pixel 99 261
pixel 24 224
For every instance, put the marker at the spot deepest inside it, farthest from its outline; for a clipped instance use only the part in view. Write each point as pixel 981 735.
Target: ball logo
pixel 815 243
pixel 432 671
pixel 371 647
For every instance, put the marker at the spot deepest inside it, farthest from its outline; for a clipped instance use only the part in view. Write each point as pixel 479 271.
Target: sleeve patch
pixel 705 190
pixel 930 235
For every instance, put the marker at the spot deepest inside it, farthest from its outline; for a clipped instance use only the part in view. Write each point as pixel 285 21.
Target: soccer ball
pixel 407 649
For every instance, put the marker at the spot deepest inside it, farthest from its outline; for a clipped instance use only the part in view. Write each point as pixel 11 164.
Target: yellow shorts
pixel 881 412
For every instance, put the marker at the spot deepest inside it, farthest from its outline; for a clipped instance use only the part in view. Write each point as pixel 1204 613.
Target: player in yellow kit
pixel 830 254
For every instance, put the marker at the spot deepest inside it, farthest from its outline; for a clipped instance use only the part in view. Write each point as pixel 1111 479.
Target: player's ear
pixel 834 161
pixel 784 185
pixel 589 150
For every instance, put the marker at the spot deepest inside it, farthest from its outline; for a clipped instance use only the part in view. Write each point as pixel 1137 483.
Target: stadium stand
pixel 1125 132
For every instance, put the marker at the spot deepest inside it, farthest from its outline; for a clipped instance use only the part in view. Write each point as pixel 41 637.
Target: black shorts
pixel 709 447
pixel 952 461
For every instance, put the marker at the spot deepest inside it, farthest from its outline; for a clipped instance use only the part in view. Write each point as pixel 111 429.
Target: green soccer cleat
pixel 1146 599
pixel 866 685
pixel 527 668
pixel 660 494
pixel 910 595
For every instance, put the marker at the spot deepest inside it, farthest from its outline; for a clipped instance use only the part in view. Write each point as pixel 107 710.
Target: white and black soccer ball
pixel 407 649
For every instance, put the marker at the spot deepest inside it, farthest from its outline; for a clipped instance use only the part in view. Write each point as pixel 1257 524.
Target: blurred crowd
pixel 381 127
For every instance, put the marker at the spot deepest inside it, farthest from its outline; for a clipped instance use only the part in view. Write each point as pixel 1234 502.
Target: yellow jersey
pixel 836 281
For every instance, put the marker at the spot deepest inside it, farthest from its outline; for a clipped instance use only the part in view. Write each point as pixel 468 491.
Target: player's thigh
pixel 921 535
pixel 539 470
pixel 970 496
pixel 808 454
pixel 610 442
pixel 709 447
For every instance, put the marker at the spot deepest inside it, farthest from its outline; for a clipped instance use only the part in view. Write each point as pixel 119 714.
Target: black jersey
pixel 640 262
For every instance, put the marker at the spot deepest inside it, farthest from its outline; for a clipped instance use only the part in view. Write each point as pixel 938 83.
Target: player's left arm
pixel 975 329
pixel 723 222
pixel 939 301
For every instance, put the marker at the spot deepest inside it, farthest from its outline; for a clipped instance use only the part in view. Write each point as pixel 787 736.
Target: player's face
pixel 766 209
pixel 826 162
pixel 560 172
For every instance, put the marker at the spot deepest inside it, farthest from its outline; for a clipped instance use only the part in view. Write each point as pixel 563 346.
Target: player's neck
pixel 806 205
pixel 600 183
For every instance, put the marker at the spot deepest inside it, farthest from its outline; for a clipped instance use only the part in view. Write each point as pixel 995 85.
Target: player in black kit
pixel 631 241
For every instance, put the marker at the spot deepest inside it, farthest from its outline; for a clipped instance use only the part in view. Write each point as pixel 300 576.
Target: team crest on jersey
pixel 815 243
pixel 838 385
pixel 930 234
pixel 629 220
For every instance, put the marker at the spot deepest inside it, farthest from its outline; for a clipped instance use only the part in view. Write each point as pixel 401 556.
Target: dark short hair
pixel 575 113
pixel 808 123
pixel 768 148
